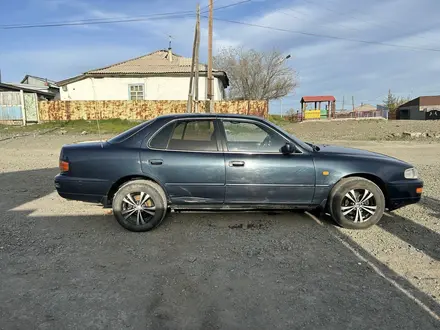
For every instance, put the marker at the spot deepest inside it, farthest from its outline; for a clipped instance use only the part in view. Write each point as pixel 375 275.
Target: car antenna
pixel 99 131
pixel 97 117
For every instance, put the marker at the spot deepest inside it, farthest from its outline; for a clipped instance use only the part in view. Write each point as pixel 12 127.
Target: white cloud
pixel 338 67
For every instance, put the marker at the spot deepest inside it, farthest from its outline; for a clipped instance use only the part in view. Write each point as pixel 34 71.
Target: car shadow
pixel 18 188
pixel 415 234
pixel 432 204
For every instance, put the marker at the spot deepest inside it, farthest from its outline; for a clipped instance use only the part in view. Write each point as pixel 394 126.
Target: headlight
pixel 411 173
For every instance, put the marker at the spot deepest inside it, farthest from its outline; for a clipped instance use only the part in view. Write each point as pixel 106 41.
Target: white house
pixel 160 75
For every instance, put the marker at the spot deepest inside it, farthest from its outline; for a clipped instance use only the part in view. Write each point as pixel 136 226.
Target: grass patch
pixel 278 120
pixel 109 126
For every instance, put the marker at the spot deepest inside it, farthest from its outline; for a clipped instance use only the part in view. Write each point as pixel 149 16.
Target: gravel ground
pixel 69 265
pixel 321 131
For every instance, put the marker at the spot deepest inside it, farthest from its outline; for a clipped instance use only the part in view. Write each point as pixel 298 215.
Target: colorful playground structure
pixel 312 107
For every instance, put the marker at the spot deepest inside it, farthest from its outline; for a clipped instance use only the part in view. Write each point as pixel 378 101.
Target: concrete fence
pixel 139 110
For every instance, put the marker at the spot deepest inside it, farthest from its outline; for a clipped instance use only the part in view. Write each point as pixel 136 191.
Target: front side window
pixel 250 137
pixel 190 135
pixel 136 92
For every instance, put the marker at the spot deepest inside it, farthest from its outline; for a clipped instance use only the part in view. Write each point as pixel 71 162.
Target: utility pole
pixel 343 102
pixel 191 78
pixel 210 80
pixel 352 102
pixel 196 96
pixel 281 107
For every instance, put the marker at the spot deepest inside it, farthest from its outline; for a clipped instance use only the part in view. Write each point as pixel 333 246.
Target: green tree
pixel 392 102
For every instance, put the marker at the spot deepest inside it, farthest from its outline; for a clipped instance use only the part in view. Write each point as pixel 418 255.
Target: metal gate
pixel 31 107
pixel 10 106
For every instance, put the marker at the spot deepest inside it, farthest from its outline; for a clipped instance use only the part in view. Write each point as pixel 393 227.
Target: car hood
pixel 330 149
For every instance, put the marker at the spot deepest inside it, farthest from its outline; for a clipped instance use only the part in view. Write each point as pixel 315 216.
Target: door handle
pixel 236 163
pixel 156 161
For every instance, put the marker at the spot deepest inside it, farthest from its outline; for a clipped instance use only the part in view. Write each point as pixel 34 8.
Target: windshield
pixel 126 134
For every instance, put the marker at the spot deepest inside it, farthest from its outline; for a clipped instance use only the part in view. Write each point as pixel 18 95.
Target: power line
pixel 99 21
pixel 326 36
pixel 231 5
pixel 111 20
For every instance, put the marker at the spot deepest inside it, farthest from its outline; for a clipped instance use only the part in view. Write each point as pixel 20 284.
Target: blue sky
pixel 324 66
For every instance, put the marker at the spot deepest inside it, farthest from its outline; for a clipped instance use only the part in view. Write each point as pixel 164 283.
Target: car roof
pixel 208 115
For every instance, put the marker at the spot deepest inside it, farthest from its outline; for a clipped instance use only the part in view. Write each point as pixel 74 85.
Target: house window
pixel 136 92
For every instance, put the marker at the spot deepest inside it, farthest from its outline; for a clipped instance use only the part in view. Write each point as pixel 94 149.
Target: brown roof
pixel 429 100
pixel 422 101
pixel 154 63
pixel 366 108
pixel 323 98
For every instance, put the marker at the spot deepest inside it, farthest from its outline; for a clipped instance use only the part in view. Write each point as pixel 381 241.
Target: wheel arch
pixel 114 188
pixel 374 178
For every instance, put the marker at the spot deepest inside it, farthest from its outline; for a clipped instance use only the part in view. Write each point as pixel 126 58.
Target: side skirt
pixel 240 207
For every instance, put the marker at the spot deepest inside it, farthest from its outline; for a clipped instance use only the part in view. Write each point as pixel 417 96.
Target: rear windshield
pixel 130 132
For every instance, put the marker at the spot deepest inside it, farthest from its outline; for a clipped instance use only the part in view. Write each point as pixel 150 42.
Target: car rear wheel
pixel 139 205
pixel 356 203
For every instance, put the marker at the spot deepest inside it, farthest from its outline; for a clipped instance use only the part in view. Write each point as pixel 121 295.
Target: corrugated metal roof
pixel 322 98
pixel 365 108
pixel 157 62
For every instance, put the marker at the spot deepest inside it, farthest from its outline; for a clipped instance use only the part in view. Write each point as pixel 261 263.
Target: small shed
pixel 420 108
pixel 19 104
pixel 316 111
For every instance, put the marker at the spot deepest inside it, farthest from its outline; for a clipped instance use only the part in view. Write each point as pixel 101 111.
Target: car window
pixel 250 137
pixel 191 135
pixel 130 132
pixel 161 139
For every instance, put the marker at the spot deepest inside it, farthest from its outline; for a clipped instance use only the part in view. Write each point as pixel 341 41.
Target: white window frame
pixel 138 93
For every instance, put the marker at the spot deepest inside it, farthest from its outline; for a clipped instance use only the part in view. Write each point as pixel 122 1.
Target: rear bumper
pixel 80 189
pixel 403 193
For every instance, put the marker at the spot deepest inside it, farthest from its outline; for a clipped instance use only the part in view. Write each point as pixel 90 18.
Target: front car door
pixel 186 157
pixel 257 172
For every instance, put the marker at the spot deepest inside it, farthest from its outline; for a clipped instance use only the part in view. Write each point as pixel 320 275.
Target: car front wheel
pixel 139 206
pixel 356 203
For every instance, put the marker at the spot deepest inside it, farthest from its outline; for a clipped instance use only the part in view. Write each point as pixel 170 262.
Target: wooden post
pixel 23 111
pixel 191 78
pixel 196 92
pixel 210 80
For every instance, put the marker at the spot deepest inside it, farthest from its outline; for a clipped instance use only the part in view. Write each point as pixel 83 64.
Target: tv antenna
pixel 170 38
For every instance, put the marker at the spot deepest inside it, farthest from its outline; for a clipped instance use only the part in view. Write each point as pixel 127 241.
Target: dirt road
pixel 69 265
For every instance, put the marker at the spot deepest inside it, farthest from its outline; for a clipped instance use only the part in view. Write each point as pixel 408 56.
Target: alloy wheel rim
pixel 138 208
pixel 358 205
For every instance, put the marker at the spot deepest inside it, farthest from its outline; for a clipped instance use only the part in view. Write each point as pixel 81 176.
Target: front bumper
pixel 403 193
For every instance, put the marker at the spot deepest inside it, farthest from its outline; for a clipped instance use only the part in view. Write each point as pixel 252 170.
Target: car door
pixel 186 157
pixel 256 170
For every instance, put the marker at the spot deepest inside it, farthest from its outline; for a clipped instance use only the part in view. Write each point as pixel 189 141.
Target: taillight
pixel 64 166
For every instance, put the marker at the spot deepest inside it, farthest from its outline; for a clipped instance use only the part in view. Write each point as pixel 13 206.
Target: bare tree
pixel 256 75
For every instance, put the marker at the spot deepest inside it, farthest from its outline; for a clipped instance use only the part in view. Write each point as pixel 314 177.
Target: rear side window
pixel 191 135
pixel 160 141
pixel 130 132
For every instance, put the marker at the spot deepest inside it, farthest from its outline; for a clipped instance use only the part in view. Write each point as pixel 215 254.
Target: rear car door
pixel 185 156
pixel 256 170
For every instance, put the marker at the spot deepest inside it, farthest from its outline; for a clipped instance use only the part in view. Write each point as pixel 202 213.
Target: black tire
pixel 339 199
pixel 157 199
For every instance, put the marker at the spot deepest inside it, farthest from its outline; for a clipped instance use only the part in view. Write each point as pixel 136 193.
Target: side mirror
pixel 288 148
